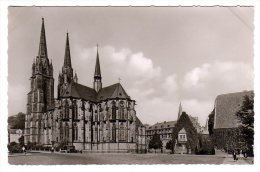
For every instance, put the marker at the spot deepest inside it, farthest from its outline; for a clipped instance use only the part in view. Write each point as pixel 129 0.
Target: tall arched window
pixel 75 132
pixel 66 137
pixel 114 110
pixel 121 110
pixel 114 133
pixel 75 110
pixel 121 132
pixel 67 110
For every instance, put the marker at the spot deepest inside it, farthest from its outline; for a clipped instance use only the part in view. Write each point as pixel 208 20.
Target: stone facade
pixel 90 119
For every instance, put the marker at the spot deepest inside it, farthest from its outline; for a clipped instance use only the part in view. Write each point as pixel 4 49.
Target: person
pixel 234 155
pixel 24 151
pixel 52 149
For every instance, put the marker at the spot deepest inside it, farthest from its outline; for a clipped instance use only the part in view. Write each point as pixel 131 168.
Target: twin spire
pixel 67 67
pixel 43 46
pixel 67 59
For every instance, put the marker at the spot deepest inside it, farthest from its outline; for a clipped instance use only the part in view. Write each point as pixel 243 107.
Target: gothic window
pixel 66 132
pixel 122 132
pixel 67 110
pixel 121 110
pixel 114 133
pixel 75 110
pixel 75 132
pixel 96 133
pixel 113 110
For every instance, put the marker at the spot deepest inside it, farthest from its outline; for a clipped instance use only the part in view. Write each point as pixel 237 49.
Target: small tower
pixel 97 85
pixel 75 78
pixel 180 111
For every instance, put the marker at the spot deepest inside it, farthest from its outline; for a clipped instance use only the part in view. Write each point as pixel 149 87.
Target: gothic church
pixel 90 119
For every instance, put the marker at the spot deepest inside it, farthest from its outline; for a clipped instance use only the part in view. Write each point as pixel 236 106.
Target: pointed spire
pixel 43 47
pixel 97 67
pixel 67 59
pixel 180 111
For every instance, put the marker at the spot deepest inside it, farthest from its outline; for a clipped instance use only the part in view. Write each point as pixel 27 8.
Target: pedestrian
pixel 52 149
pixel 234 155
pixel 24 151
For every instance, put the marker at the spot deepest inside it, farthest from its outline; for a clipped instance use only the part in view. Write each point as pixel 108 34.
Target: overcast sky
pixel 164 55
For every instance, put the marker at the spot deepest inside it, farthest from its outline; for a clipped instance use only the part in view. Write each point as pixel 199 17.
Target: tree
pixel 191 132
pixel 17 121
pixel 21 140
pixel 170 145
pixel 211 122
pixel 155 142
pixel 245 115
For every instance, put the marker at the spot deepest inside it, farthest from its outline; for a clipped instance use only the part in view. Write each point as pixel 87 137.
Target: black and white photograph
pixel 139 85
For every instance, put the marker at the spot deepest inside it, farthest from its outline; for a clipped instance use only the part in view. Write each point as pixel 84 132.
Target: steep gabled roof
pixel 138 122
pixel 112 91
pixel 182 131
pixel 226 106
pixel 76 90
pixel 162 125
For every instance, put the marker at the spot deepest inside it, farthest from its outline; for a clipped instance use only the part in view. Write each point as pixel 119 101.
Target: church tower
pixel 66 77
pixel 41 96
pixel 97 85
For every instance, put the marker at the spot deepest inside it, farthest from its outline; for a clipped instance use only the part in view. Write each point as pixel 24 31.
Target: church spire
pixel 97 67
pixel 43 47
pixel 97 75
pixel 67 59
pixel 67 70
pixel 180 111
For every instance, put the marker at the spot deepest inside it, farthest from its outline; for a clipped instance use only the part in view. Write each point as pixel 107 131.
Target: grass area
pixel 110 158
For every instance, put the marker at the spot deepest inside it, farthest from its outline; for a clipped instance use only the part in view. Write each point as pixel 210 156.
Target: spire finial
pixel 119 79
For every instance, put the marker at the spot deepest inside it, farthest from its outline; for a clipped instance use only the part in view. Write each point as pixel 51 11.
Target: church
pixel 93 118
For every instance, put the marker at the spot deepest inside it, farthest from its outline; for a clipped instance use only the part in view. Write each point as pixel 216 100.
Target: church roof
pixel 138 122
pixel 112 91
pixel 162 125
pixel 226 106
pixel 76 90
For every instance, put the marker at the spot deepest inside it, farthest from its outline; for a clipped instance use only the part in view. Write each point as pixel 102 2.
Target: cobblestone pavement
pixel 112 158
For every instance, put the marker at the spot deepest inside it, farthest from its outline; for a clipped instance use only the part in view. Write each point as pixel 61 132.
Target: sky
pixel 163 55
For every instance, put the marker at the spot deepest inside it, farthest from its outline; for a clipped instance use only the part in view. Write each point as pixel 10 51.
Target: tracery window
pixel 66 133
pixel 75 132
pixel 121 110
pixel 75 110
pixel 121 132
pixel 114 133
pixel 67 110
pixel 113 110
